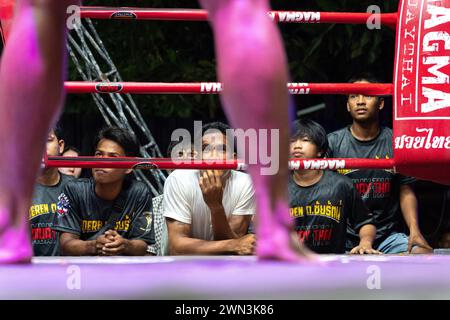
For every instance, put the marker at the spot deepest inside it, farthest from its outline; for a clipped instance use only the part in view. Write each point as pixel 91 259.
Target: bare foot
pixel 277 241
pixel 15 245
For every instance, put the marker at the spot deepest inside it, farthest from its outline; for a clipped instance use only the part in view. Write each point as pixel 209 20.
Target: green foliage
pixel 158 51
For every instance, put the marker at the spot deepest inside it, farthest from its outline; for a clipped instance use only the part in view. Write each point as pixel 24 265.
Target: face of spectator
pixel 54 146
pixel 185 154
pixel 75 172
pixel 303 148
pixel 189 154
pixel 109 148
pixel 364 108
pixel 215 147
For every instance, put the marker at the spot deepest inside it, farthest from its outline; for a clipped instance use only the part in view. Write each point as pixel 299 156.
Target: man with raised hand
pixel 253 67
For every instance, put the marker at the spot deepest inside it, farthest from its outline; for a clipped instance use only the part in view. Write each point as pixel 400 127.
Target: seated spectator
pixel 181 150
pixel 48 187
pixel 387 194
pixel 71 152
pixel 208 211
pixel 109 214
pixel 161 246
pixel 324 203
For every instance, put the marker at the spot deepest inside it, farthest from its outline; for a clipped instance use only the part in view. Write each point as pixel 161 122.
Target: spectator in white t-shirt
pixel 208 211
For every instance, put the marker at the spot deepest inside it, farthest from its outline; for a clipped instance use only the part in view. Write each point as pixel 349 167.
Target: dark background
pixel 153 51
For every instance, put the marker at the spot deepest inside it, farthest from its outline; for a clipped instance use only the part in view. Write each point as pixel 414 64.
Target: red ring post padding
pixel 422 90
pixel 6 17
pixel 216 87
pixel 167 163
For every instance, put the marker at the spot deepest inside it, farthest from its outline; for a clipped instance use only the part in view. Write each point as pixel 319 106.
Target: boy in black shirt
pixel 47 189
pixel 108 214
pixel 384 192
pixel 323 203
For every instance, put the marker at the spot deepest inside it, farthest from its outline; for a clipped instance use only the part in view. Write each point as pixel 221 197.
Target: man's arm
pixel 212 189
pixel 364 221
pixel 181 244
pixel 366 235
pixel 240 224
pixel 408 204
pixel 71 245
pixel 123 246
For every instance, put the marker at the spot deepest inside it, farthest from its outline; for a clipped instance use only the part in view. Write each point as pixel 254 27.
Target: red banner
pixel 422 90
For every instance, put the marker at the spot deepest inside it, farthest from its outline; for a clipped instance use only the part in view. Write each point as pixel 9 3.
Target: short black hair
pixel 71 148
pixel 217 125
pixel 57 129
pixel 306 128
pixel 222 127
pixel 122 137
pixel 364 76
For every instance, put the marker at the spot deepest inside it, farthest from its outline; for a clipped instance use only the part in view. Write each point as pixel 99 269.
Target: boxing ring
pixel 226 277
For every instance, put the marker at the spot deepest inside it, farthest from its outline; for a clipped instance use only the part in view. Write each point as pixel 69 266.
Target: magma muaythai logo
pixel 124 15
pixel 103 87
pixel 427 141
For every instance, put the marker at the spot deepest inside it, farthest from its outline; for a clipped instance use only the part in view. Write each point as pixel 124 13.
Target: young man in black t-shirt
pixel 384 192
pixel 109 214
pixel 47 189
pixel 323 203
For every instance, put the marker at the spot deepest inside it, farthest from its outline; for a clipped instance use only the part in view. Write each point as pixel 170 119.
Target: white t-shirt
pixel 183 200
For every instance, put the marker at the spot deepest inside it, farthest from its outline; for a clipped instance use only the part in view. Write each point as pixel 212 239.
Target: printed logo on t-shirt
pixel 95 225
pixel 63 205
pixel 315 235
pixel 37 210
pixel 148 218
pixel 375 188
pixel 328 210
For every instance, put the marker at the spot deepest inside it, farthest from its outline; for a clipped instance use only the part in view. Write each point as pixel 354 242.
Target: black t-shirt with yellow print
pixel 379 189
pixel 326 211
pixel 42 214
pixel 80 211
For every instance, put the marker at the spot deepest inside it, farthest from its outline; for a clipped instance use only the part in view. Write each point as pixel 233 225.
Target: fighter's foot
pixel 283 244
pixel 15 246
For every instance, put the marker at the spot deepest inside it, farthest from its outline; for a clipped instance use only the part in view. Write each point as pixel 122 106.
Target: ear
pixel 381 106
pixel 61 144
pixel 348 107
pixel 128 171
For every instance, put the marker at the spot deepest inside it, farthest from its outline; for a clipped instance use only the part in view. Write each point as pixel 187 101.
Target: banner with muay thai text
pixel 422 90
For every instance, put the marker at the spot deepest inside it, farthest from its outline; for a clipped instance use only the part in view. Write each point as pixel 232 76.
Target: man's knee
pixel 421 250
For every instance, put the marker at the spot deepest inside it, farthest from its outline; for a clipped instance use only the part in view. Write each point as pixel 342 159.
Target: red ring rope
pixel 166 163
pixel 216 87
pixel 124 13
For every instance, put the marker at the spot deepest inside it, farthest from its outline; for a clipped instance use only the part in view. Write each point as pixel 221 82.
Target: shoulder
pixel 338 180
pixel 239 178
pixel 183 177
pixel 65 178
pixel 78 184
pixel 386 132
pixel 138 187
pixel 338 134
